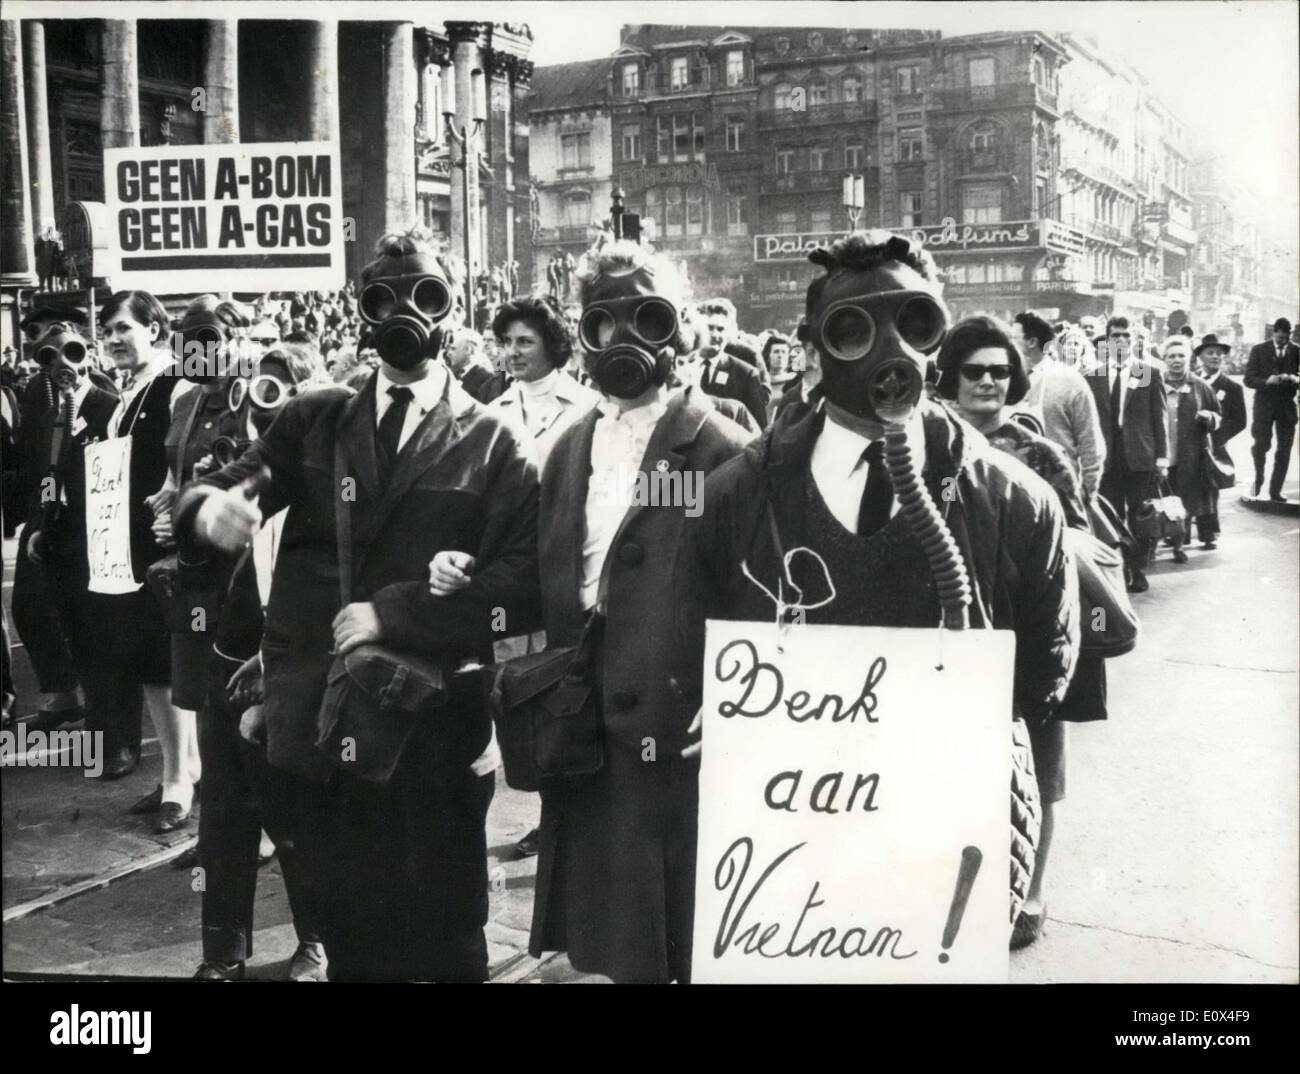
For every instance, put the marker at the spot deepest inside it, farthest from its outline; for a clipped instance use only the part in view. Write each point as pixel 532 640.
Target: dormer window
pixel 735 67
pixel 631 79
pixel 815 42
pixel 782 45
pixel 679 73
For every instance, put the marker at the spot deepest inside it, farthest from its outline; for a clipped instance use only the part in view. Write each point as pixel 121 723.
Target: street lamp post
pixel 855 198
pixel 466 137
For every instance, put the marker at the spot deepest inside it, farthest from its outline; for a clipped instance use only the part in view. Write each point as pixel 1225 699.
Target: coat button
pixel 631 555
pixel 624 699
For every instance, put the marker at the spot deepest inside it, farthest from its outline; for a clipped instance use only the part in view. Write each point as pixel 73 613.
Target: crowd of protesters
pixel 474 453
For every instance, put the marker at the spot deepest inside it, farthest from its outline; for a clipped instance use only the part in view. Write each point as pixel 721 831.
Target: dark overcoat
pixel 1186 468
pixel 616 875
pixel 1232 403
pixel 462 481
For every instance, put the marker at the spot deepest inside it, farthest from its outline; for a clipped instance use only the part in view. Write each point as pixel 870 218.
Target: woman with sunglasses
pixel 981 371
pixel 134 638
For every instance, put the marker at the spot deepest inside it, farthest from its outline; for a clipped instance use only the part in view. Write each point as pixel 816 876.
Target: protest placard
pixel 260 216
pixel 108 516
pixel 854 805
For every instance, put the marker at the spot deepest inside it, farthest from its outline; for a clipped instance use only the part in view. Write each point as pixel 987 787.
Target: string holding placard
pixel 783 608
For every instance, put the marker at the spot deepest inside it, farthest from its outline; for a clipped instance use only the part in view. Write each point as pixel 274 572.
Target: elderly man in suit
pixel 1273 371
pixel 1210 352
pixel 1139 434
pixel 376 484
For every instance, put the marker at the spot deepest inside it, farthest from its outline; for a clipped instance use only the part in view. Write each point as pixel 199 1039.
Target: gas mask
pixel 200 347
pixel 63 355
pixel 874 329
pixel 630 341
pixel 404 303
pixel 264 395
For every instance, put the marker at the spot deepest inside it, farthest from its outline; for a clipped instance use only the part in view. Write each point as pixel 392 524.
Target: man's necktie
pixel 704 372
pixel 390 425
pixel 878 494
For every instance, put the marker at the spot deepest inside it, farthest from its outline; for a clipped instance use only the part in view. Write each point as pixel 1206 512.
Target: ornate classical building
pixel 73 87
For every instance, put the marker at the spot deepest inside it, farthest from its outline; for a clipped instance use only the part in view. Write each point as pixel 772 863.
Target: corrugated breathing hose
pixel 927 523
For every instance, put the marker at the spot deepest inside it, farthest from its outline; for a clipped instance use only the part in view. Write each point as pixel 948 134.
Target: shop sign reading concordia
pixel 693 174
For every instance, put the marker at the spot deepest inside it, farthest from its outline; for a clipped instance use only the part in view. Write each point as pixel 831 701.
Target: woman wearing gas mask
pixel 616 872
pixel 136 644
pixel 56 537
pixel 824 479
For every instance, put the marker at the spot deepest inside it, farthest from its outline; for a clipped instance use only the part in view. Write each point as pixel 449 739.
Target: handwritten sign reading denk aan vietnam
pixel 249 217
pixel 108 516
pixel 853 805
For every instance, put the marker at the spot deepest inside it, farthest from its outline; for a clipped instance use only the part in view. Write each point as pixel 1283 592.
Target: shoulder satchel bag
pixel 547 711
pixel 1217 471
pixel 375 696
pixel 1109 624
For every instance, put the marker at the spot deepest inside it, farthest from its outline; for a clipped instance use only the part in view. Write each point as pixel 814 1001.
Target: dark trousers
pixel 241 796
pixel 402 869
pixel 38 625
pixel 114 706
pixel 1128 490
pixel 1266 419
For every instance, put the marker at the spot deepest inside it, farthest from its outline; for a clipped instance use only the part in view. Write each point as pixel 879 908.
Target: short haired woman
pixel 535 335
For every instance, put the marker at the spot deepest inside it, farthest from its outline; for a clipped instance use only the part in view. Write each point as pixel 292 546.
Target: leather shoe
pixel 171 815
pixel 1277 497
pixel 1179 555
pixel 1027 929
pixel 220 971
pixel 309 962
pixel 120 763
pixel 529 845
pixel 187 859
pixel 1208 546
pixel 150 803
pixel 1139 584
pixel 48 720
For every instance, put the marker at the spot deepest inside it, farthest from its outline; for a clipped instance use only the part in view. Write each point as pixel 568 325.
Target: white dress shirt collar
pixel 425 393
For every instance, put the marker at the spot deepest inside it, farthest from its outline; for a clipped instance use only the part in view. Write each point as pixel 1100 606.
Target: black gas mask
pixel 200 347
pixel 404 303
pixel 63 355
pixel 630 341
pixel 875 329
pixel 262 397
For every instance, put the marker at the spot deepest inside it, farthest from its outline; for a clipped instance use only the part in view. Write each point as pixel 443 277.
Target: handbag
pixel 1218 472
pixel 1109 624
pixel 374 695
pixel 547 711
pixel 1161 516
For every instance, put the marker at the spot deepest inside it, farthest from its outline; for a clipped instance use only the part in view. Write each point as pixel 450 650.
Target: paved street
pixel 1176 849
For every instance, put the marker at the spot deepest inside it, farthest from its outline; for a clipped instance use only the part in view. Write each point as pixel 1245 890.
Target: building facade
pixel 80 86
pixel 571 150
pixel 1039 172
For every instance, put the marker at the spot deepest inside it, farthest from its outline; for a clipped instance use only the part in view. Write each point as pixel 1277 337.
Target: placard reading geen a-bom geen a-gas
pixel 249 217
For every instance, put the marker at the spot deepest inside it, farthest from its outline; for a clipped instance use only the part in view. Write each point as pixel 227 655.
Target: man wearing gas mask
pixel 632 820
pixel 824 478
pixel 375 484
pixel 55 537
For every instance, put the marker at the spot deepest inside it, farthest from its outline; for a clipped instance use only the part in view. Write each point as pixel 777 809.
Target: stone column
pixel 38 126
pixel 467 55
pixel 119 105
pixel 16 256
pixel 398 40
pixel 221 82
pixel 323 65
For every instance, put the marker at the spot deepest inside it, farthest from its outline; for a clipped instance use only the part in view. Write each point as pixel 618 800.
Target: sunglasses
pixel 975 373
